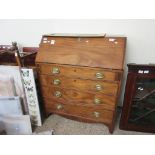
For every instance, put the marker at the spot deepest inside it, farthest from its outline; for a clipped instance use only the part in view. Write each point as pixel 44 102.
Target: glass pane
pixel 143 104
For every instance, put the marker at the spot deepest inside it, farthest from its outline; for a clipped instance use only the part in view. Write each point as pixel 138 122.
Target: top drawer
pixel 79 72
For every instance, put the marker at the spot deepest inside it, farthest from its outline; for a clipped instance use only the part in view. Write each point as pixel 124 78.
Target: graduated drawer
pixel 73 97
pixel 80 72
pixel 92 113
pixel 80 84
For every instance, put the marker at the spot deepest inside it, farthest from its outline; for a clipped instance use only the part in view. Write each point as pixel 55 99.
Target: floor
pixel 63 126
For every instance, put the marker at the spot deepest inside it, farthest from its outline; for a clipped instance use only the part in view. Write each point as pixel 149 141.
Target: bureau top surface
pixel 83 50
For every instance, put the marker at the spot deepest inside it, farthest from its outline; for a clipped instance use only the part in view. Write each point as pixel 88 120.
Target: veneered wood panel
pixel 74 97
pixel 92 52
pixel 77 61
pixel 80 72
pixel 105 116
pixel 79 84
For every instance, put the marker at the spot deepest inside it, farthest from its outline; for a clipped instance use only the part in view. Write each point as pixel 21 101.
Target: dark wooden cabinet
pixel 80 76
pixel 139 100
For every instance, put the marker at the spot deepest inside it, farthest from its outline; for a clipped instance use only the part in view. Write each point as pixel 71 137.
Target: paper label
pixel 52 41
pixel 146 71
pixel 112 39
pixel 44 38
pixel 140 71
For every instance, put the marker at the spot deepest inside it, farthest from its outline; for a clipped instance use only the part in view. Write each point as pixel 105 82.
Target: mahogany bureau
pixel 80 76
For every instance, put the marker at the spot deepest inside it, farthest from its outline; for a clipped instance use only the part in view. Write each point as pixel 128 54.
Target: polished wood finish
pixel 106 52
pixel 80 84
pixel 7 56
pixel 80 111
pixel 29 59
pixel 130 90
pixel 80 77
pixel 76 72
pixel 79 98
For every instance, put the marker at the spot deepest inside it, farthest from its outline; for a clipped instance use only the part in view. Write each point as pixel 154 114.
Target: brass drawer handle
pixel 97 101
pixel 56 81
pixel 59 106
pixel 55 70
pixel 98 87
pixel 99 75
pixel 96 114
pixel 57 94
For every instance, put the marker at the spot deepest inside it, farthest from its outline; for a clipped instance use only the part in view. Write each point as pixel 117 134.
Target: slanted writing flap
pixel 105 52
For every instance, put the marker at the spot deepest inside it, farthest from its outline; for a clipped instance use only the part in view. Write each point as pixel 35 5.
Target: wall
pixel 140 34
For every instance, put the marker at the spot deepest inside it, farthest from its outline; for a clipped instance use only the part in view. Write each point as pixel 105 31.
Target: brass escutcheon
pixel 97 101
pixel 56 81
pixel 59 106
pixel 55 70
pixel 98 87
pixel 57 94
pixel 96 114
pixel 99 75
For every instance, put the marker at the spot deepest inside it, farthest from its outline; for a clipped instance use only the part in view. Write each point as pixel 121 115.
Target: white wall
pixel 140 34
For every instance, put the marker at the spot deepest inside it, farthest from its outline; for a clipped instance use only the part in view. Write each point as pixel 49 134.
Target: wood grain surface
pixel 74 97
pixel 105 116
pixel 93 52
pixel 80 84
pixel 80 72
pixel 88 69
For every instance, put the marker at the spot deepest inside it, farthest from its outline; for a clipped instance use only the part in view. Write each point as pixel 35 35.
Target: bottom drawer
pixel 93 113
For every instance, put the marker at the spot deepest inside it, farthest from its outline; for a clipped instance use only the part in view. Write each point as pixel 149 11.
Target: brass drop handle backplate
pixel 98 87
pixel 96 114
pixel 97 101
pixel 99 75
pixel 55 70
pixel 56 81
pixel 57 94
pixel 59 106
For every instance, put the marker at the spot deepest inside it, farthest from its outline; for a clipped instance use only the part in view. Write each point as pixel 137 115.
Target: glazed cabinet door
pixel 139 103
pixel 142 110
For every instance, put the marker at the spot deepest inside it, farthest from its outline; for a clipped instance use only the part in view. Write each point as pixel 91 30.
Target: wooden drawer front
pixel 73 97
pixel 80 72
pixel 93 113
pixel 85 85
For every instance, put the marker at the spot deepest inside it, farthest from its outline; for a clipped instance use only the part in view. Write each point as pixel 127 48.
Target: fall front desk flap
pixel 83 50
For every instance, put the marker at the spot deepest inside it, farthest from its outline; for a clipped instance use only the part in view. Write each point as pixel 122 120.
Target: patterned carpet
pixel 63 126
